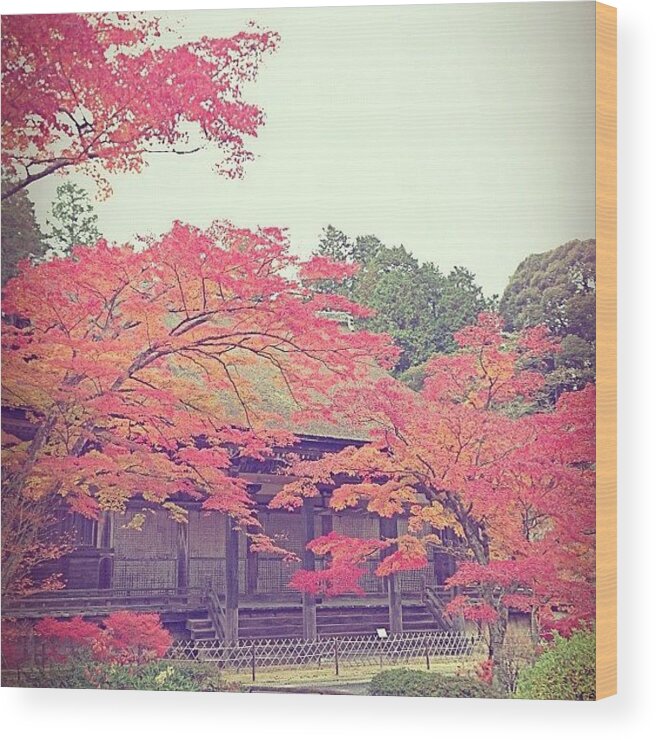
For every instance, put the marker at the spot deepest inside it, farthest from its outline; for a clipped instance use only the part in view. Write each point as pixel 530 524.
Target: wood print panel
pixel 606 226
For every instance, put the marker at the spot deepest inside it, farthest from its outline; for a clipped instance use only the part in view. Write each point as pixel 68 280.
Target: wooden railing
pixel 216 612
pixel 68 602
pixel 436 598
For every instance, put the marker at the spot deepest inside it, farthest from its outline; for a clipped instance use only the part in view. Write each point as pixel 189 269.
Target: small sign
pixel 382 632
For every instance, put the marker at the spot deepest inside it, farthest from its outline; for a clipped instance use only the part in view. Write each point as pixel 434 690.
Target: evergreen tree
pixel 72 219
pixel 21 235
pixel 557 288
pixel 417 304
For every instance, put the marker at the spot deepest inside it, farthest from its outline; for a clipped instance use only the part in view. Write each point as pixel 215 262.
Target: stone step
pixel 354 612
pixel 357 629
pixel 418 616
pixel 200 628
pixel 208 634
pixel 420 627
pixel 284 622
pixel 197 624
pixel 272 635
pixel 345 631
pixel 364 614
pixel 412 616
pixel 267 620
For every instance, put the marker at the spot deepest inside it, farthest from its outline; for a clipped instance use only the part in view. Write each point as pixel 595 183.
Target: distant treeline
pixel 415 302
pixel 421 306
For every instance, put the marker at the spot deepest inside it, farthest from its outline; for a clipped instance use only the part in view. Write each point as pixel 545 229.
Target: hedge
pixel 566 671
pixel 407 682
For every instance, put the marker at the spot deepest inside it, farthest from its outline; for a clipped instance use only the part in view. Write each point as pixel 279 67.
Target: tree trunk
pixel 497 632
pixel 309 601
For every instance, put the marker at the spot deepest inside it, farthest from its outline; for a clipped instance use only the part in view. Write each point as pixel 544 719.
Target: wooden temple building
pixel 203 579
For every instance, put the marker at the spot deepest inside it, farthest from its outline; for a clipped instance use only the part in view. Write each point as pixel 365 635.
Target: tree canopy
pixel 100 92
pixel 415 303
pixel 72 220
pixel 519 491
pixel 557 289
pixel 137 370
pixel 21 234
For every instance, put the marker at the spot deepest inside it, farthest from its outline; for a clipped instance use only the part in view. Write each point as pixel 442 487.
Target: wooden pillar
pixel 104 534
pixel 389 528
pixel 183 555
pixel 326 524
pixel 232 582
pixel 309 600
pixel 252 564
pixel 251 571
pixel 104 542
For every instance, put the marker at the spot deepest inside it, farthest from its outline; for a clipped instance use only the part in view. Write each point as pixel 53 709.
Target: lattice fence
pixel 332 652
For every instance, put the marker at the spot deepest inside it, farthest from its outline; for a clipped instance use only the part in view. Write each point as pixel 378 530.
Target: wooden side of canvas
pixel 606 227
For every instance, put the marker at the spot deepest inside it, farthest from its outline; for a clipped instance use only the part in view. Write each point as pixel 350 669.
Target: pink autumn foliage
pixel 405 558
pixel 345 558
pixel 324 268
pixel 122 637
pixel 106 90
pixel 476 452
pixel 471 611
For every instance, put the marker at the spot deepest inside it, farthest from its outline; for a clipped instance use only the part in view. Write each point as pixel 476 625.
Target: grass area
pixel 324 677
pixel 306 679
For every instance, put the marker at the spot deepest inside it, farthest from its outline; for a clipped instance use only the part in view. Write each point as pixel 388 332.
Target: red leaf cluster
pixel 123 637
pixel 150 372
pixel 473 454
pixel 105 91
pixel 344 568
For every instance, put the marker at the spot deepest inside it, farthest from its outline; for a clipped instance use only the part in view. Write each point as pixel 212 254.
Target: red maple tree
pixel 469 455
pixel 153 371
pixel 123 637
pixel 100 92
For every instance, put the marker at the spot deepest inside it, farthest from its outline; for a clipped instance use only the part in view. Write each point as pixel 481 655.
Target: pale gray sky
pixel 465 132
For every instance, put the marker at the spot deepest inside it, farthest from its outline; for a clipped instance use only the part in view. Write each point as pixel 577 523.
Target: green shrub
pixel 406 682
pixel 154 676
pixel 401 682
pixel 564 671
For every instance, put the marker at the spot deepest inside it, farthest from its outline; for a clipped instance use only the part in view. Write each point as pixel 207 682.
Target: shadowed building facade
pixel 181 568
